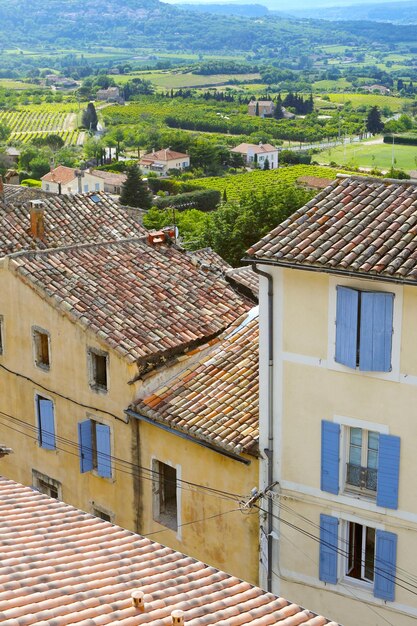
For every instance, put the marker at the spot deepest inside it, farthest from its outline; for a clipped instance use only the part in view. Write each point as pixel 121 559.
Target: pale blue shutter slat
pixel 385 565
pixel 388 471
pixel 103 450
pixel 328 549
pixel 330 443
pixel 46 424
pixel 347 307
pixel 85 442
pixel 376 331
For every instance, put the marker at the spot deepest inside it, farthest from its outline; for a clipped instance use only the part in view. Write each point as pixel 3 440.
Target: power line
pixel 203 519
pixel 122 465
pixel 382 573
pixel 367 604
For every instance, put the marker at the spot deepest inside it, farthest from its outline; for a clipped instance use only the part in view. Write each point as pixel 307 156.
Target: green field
pixel 371 155
pixel 258 180
pixel 329 85
pixel 363 99
pixel 177 80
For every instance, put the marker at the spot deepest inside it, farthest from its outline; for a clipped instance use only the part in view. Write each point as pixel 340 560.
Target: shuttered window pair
pixel 364 327
pixel 94 447
pixel 374 562
pixel 387 465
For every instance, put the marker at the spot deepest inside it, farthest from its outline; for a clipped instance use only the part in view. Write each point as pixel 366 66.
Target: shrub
pixel 204 200
pixel 31 182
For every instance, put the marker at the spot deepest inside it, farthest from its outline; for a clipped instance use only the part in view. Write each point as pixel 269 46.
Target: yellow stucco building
pixel 338 392
pixel 86 330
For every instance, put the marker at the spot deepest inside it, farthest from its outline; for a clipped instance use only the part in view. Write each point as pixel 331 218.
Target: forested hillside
pixel 133 23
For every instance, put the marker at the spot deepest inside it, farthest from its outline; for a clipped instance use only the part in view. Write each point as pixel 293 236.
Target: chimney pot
pixel 177 618
pixel 37 219
pixel 138 599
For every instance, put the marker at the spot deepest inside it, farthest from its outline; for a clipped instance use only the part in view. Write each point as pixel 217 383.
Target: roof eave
pixel 331 270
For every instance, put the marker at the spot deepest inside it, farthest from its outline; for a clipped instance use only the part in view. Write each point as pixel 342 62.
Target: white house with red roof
pixel 162 161
pixel 67 180
pixel 258 154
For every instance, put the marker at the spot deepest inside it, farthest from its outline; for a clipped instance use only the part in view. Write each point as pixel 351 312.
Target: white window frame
pixel 156 485
pixel 346 423
pixel 349 487
pixel 343 546
pixel 366 285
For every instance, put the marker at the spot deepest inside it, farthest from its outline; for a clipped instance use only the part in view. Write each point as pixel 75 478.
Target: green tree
pixel 235 226
pixel 374 124
pixel 39 166
pixel 89 117
pixel 134 190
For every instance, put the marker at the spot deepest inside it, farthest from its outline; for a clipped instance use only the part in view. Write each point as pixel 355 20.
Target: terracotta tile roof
pixel 112 178
pixel 142 300
pixel 60 174
pixel 243 148
pixel 215 398
pixel 69 219
pixel 361 225
pixel 314 182
pixel 62 567
pixel 244 276
pixel 207 256
pixel 164 155
pixel 16 194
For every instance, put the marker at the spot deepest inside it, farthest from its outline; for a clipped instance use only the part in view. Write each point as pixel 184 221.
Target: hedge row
pixel 205 200
pixel 408 141
pixel 173 187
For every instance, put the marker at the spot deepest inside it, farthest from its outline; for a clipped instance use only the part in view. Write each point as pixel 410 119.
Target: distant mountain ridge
pixel 394 12
pixel 149 23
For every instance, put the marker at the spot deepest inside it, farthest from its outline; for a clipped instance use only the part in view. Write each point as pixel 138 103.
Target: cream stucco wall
pixel 308 387
pixel 229 540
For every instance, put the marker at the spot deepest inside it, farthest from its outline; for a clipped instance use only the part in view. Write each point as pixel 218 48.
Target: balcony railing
pixel 362 477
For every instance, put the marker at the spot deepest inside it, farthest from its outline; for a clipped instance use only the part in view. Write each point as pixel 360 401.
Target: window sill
pixel 43 366
pixel 98 388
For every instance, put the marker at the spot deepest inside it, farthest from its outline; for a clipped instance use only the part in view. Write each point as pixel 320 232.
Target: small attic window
pixel 95 198
pixel 41 346
pixel 97 366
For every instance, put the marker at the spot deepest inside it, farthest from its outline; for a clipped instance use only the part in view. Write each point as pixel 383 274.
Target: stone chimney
pixel 37 219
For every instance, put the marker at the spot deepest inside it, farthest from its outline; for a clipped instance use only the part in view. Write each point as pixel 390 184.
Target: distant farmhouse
pixel 164 160
pixel 258 154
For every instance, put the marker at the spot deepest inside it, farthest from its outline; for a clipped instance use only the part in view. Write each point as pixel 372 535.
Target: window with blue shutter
pixel 103 450
pixel 94 447
pixel 328 548
pixel 46 423
pixel 347 308
pixel 376 331
pixel 364 327
pixel 388 471
pixel 330 444
pixel 85 442
pixel 385 565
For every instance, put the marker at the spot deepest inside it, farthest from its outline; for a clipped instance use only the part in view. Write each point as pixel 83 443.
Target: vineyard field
pixel 32 121
pixel 257 181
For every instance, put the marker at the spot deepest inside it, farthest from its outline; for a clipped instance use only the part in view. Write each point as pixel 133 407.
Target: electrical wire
pixel 122 465
pixel 203 519
pixel 382 573
pixel 367 604
pixel 288 509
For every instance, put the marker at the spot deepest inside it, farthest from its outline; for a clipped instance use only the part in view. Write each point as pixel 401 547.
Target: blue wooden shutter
pixel 46 424
pixel 385 561
pixel 330 443
pixel 388 471
pixel 85 442
pixel 328 549
pixel 347 308
pixel 103 450
pixel 376 331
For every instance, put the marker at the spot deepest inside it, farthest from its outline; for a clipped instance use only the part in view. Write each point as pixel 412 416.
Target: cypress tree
pixel 89 118
pixel 134 190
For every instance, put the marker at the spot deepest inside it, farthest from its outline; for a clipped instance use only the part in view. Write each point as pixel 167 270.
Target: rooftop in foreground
pixel 62 567
pixel 362 225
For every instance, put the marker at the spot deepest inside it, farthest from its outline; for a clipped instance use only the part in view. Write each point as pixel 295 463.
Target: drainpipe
pixel 269 451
